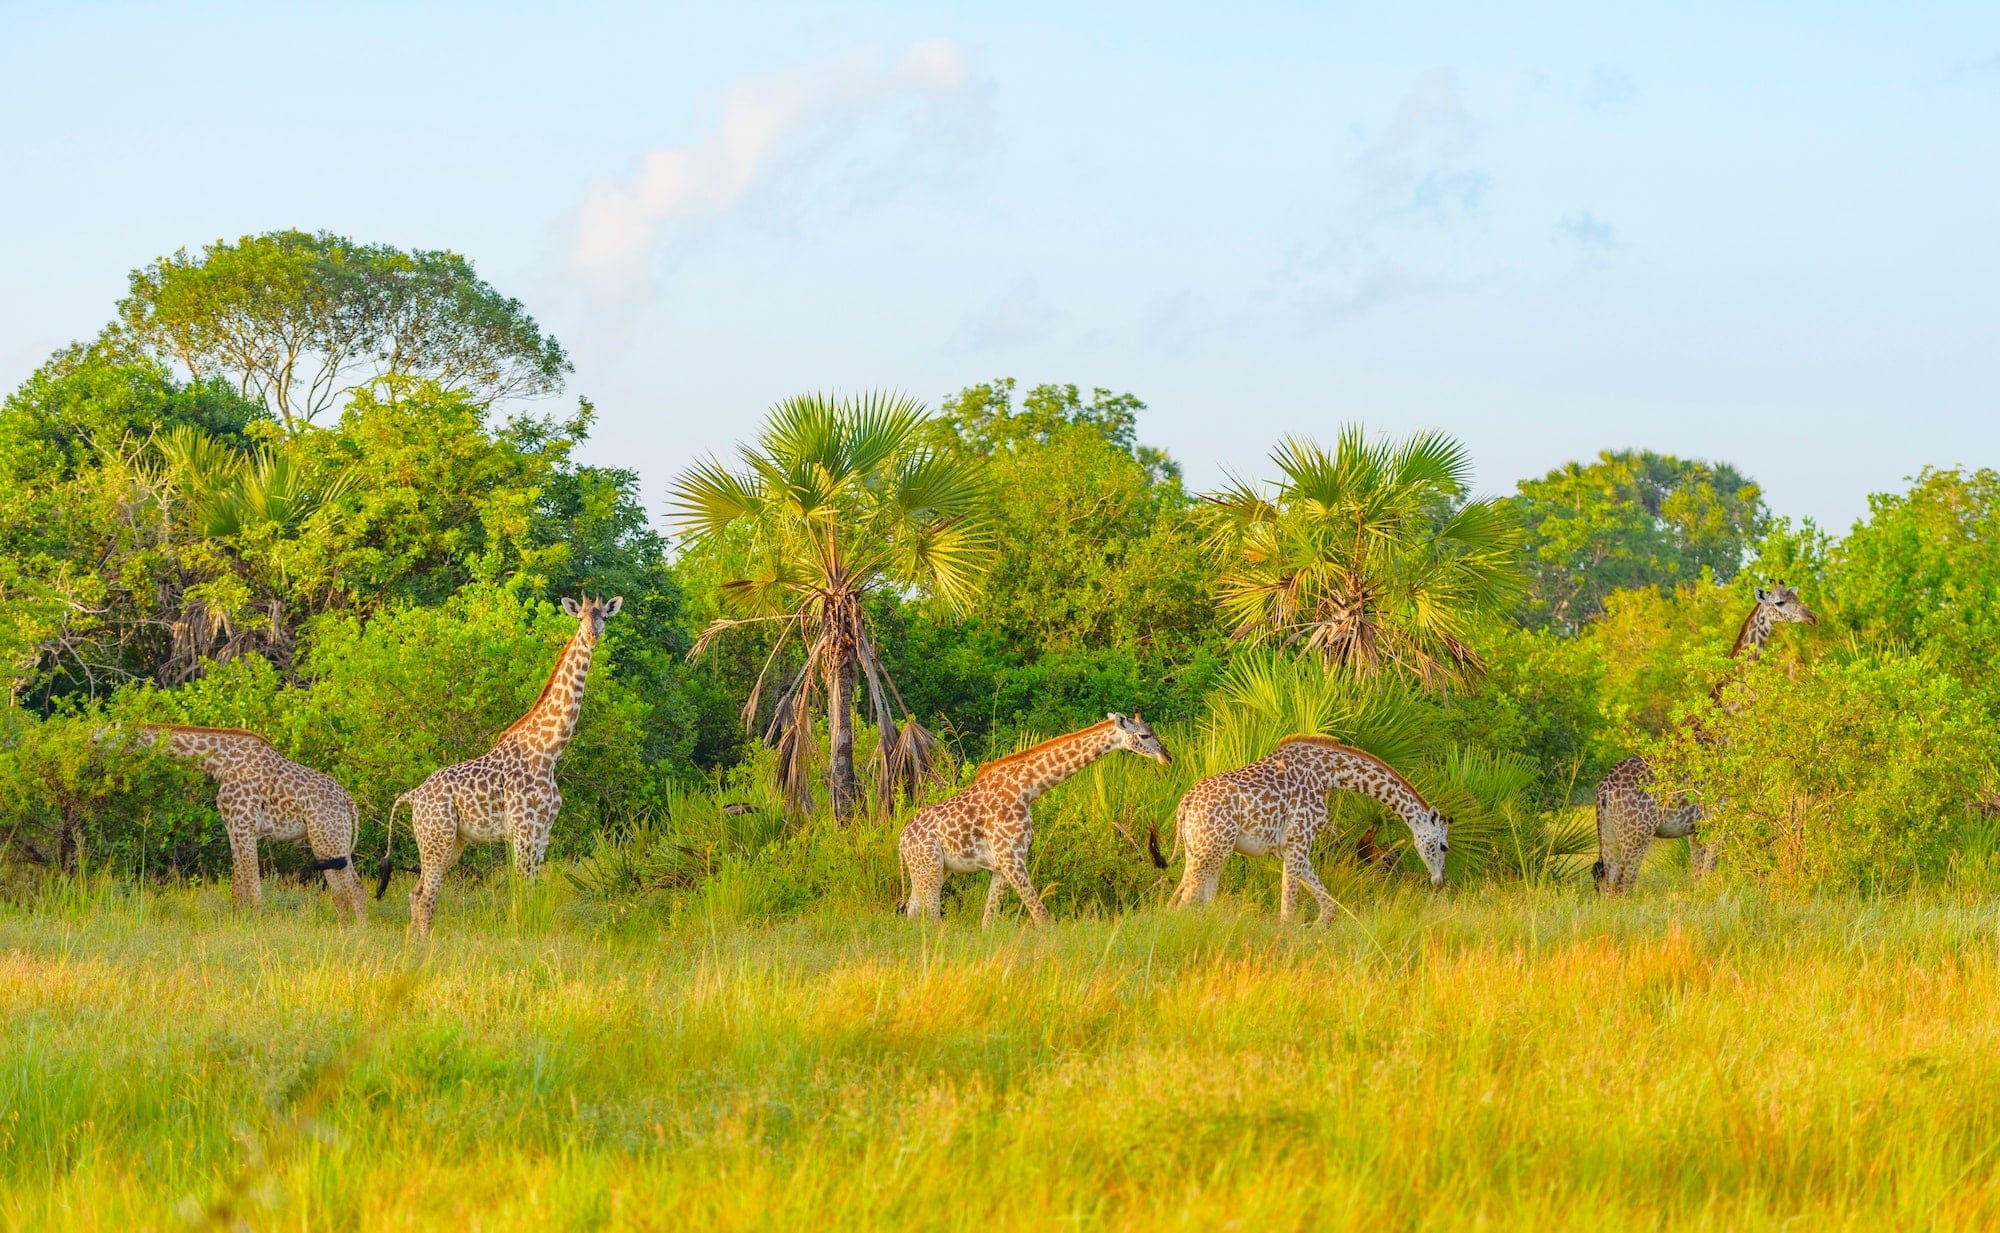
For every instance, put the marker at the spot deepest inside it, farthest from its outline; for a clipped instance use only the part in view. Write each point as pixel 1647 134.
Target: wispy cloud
pixel 1422 162
pixel 1588 231
pixel 1608 87
pixel 1408 227
pixel 758 128
pixel 1017 317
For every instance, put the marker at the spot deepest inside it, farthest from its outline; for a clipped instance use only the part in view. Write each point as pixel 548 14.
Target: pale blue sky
pixel 1767 236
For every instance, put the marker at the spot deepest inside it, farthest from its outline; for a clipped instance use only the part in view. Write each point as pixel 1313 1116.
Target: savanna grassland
pixel 1495 1057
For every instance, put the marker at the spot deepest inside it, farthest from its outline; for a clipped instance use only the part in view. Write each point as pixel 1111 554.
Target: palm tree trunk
pixel 840 733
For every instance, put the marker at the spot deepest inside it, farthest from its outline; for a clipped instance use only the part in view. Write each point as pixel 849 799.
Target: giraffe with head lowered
pixel 507 794
pixel 988 825
pixel 262 794
pixel 1278 804
pixel 1630 816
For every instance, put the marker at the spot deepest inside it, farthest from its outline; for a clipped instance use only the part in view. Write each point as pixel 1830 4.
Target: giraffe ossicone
pixel 262 794
pixel 1630 814
pixel 507 794
pixel 1278 804
pixel 989 825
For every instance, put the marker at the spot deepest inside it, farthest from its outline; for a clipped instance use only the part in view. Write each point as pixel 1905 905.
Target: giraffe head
pixel 592 613
pixel 1433 835
pixel 1136 735
pixel 1781 603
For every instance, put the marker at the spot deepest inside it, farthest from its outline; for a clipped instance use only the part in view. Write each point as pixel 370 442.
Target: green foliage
pixel 1541 699
pixel 1370 557
pixel 1631 519
pixel 842 499
pixel 1851 772
pixel 1923 573
pixel 298 321
pixel 75 798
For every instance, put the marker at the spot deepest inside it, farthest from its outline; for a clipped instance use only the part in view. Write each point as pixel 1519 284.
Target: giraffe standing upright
pixel 508 793
pixel 988 825
pixel 1278 803
pixel 262 794
pixel 1630 816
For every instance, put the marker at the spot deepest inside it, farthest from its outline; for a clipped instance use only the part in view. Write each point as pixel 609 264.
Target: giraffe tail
pixel 1153 846
pixel 385 869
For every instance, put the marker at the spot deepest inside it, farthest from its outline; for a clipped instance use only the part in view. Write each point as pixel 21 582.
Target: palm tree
pixel 1372 556
pixel 840 498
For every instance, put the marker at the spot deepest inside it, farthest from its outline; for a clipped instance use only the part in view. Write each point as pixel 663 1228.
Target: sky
pixel 1758 233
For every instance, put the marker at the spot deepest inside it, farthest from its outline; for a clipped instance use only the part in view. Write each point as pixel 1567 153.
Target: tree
pixel 839 500
pixel 1371 557
pixel 299 320
pixel 983 419
pixel 1633 518
pixel 1923 572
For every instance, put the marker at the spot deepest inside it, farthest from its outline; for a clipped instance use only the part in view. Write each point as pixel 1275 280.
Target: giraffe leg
pixel 1702 857
pixel 1203 870
pixel 244 882
pixel 1299 869
pixel 996 890
pixel 438 847
pixel 344 884
pixel 1015 867
pixel 923 864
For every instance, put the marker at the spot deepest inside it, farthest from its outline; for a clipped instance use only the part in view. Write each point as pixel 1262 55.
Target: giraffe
pixel 508 793
pixel 1278 803
pixel 1630 816
pixel 988 825
pixel 262 794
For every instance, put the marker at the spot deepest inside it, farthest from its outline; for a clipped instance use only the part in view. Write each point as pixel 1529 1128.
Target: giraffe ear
pixel 572 607
pixel 617 602
pixel 1763 596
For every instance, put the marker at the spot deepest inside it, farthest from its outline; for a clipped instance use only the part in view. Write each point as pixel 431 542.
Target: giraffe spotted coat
pixel 1278 804
pixel 508 794
pixel 989 826
pixel 1629 813
pixel 262 794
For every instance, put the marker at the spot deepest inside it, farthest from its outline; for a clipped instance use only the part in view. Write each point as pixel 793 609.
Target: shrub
pixel 1856 772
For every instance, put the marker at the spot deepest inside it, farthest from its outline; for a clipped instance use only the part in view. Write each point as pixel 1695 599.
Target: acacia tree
pixel 839 499
pixel 1372 557
pixel 298 320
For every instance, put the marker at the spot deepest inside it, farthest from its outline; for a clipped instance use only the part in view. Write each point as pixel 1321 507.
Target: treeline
pixel 322 490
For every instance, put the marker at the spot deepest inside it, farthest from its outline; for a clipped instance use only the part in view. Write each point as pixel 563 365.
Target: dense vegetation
pixel 303 485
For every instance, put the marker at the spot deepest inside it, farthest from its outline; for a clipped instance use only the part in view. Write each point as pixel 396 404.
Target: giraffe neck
pixel 1331 767
pixel 1029 774
pixel 549 724
pixel 218 752
pixel 1755 633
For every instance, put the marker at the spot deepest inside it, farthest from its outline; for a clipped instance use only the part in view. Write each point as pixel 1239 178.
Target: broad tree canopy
pixel 298 320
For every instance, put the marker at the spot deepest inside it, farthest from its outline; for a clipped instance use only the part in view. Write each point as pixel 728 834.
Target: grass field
pixel 1503 1058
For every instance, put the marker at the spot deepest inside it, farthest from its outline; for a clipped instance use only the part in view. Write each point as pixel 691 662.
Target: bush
pixel 1854 773
pixel 75 799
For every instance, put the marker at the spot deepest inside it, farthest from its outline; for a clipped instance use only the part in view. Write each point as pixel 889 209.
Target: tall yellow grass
pixel 1484 1059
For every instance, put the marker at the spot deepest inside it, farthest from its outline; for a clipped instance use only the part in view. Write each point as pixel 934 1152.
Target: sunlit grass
pixel 1503 1057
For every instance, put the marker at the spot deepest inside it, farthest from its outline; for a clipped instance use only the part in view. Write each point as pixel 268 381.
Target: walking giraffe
pixel 988 825
pixel 262 794
pixel 1278 803
pixel 1630 817
pixel 508 793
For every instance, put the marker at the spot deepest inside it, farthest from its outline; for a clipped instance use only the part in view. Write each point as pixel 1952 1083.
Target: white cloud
pixel 755 129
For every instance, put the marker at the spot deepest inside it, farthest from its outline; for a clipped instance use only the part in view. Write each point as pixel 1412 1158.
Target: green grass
pixel 1486 1058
